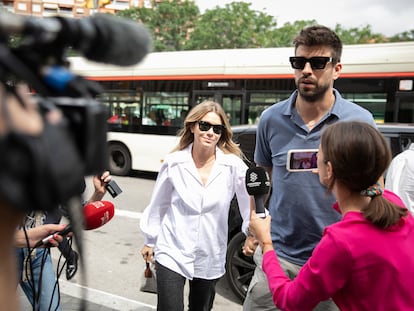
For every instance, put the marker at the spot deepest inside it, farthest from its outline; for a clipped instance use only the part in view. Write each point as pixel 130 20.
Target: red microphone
pixel 95 215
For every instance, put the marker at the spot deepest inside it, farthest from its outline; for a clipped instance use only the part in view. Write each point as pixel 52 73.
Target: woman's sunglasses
pixel 317 62
pixel 205 126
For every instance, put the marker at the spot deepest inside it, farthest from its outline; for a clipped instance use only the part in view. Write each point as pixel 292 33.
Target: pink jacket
pixel 360 266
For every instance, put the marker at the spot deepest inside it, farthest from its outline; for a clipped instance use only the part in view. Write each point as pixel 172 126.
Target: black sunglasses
pixel 205 126
pixel 317 62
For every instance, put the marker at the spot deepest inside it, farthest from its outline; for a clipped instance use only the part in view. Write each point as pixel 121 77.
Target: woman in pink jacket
pixel 366 260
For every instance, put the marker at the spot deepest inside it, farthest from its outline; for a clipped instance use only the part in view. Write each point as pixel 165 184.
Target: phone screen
pixel 302 160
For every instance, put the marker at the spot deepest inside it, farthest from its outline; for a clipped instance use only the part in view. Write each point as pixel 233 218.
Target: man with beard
pixel 299 205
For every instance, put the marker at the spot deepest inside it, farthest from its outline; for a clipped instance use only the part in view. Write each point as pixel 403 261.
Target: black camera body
pixel 87 124
pixel 43 171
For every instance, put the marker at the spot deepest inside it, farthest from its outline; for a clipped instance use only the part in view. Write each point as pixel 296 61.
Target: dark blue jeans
pixel 170 291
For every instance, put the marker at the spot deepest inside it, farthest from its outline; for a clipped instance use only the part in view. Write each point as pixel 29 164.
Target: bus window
pixel 374 102
pixel 254 112
pixel 160 108
pixel 405 104
pixel 232 106
pixel 261 101
pixel 123 109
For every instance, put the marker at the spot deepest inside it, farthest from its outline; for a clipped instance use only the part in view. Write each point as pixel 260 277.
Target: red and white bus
pixel 146 102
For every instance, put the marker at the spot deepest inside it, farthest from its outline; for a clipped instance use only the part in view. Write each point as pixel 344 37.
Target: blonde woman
pixel 185 224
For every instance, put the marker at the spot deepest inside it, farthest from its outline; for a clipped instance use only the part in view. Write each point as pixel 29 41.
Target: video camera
pixel 33 51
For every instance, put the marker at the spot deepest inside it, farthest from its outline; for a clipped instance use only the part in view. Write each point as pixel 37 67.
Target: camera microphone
pixel 258 185
pixel 95 215
pixel 101 38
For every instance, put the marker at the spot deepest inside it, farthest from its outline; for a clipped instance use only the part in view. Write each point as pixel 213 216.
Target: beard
pixel 315 94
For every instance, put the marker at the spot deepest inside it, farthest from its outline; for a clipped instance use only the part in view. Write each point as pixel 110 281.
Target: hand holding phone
pixel 302 160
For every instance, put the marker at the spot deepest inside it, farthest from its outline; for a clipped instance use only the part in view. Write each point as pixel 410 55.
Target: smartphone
pixel 113 188
pixel 301 160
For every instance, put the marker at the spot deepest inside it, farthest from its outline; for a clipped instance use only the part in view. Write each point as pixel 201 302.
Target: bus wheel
pixel 239 268
pixel 119 160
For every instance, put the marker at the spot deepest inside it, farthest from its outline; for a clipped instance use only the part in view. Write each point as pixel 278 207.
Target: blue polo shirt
pixel 299 205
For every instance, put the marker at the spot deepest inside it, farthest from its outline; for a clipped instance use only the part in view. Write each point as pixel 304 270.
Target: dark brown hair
pixel 320 36
pixel 359 155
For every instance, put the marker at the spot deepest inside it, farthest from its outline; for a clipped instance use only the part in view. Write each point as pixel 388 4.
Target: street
pixel 113 264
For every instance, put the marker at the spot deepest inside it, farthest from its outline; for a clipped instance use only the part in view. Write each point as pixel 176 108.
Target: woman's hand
pixel 260 227
pixel 99 184
pixel 147 253
pixel 36 234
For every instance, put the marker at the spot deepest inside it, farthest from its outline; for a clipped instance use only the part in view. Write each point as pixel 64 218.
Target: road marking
pixel 128 214
pixel 103 298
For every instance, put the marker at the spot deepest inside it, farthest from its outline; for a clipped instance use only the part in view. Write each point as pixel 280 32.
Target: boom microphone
pixel 101 38
pixel 95 215
pixel 258 185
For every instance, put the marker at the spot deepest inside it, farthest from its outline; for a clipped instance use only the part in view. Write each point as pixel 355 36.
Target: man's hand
pixel 249 246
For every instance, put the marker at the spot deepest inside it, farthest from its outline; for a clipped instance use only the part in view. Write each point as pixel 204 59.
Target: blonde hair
pixel 225 142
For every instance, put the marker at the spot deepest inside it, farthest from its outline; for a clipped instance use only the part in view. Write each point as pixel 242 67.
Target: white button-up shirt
pixel 188 221
pixel 400 177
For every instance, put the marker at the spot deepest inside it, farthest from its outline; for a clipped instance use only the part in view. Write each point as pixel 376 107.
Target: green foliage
pixel 169 22
pixel 359 36
pixel 288 31
pixel 404 36
pixel 235 26
pixel 178 25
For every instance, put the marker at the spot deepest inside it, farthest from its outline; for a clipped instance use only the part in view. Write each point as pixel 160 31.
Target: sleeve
pixel 322 275
pixel 243 198
pixel 153 214
pixel 393 177
pixel 400 178
pixel 262 152
pixel 406 182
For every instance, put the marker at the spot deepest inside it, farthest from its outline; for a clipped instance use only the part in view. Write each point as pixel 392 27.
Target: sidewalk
pixel 71 297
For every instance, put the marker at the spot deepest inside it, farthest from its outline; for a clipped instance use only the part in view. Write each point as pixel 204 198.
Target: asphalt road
pixel 113 267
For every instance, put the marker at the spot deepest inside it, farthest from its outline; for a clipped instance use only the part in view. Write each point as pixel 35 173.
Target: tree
pixel 177 25
pixel 285 34
pixel 359 36
pixel 170 22
pixel 404 36
pixel 235 26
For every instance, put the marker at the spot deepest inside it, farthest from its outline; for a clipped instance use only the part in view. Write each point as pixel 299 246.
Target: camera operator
pixel 36 272
pixel 26 120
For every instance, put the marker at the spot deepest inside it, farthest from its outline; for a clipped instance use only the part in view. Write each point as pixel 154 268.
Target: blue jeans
pixel 170 291
pixel 43 274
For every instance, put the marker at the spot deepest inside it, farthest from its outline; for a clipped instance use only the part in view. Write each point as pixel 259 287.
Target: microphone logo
pixel 252 182
pixel 106 217
pixel 253 176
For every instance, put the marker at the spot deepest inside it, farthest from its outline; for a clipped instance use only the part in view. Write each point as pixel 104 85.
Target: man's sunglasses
pixel 317 62
pixel 205 126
